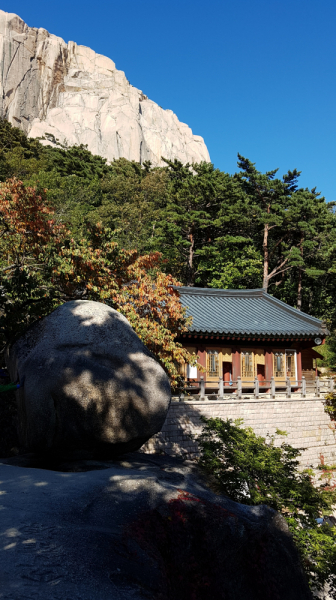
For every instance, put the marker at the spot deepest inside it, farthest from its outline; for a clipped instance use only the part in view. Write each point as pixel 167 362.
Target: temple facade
pixel 248 334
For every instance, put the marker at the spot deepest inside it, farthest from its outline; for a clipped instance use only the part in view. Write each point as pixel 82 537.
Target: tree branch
pixel 276 269
pixel 8 268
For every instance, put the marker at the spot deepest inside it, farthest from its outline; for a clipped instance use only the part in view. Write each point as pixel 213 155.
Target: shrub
pixel 253 470
pixel 330 405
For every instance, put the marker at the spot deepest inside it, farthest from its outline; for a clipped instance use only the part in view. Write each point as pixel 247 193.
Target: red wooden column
pixel 202 361
pixel 299 364
pixel 236 370
pixel 268 365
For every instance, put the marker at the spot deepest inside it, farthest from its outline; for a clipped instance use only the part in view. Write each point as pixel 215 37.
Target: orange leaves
pixel 25 220
pixel 132 284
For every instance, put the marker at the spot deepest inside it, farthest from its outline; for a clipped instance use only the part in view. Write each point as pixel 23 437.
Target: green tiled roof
pixel 249 312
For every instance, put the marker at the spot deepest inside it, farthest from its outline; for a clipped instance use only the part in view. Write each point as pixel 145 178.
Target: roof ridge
pixel 196 291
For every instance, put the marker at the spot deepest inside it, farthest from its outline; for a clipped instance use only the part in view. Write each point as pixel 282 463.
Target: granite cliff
pixel 79 97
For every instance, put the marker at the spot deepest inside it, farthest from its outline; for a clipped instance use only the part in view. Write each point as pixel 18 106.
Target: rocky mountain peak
pixel 79 97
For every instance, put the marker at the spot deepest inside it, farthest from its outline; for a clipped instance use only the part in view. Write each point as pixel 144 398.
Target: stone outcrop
pixel 79 97
pixel 90 383
pixel 139 529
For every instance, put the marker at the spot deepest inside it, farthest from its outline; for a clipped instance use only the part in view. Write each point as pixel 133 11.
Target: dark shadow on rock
pixel 204 550
pixel 9 441
pixel 168 468
pixel 144 528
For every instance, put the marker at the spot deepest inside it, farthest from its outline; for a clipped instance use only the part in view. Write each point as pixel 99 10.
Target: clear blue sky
pixel 254 76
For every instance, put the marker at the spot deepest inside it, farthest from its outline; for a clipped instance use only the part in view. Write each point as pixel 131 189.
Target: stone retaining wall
pixel 305 421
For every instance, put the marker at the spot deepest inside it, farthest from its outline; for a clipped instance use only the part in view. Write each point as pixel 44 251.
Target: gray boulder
pixel 90 383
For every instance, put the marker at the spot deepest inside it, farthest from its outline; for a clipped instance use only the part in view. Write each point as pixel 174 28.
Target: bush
pixel 253 470
pixel 330 405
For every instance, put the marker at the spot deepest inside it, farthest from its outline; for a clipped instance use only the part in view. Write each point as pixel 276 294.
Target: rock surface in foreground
pixel 79 97
pixel 90 383
pixel 142 529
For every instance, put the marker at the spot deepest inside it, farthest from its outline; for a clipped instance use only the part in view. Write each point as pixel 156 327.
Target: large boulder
pixel 90 383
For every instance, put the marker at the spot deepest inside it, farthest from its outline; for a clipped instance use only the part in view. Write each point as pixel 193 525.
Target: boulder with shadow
pixel 90 384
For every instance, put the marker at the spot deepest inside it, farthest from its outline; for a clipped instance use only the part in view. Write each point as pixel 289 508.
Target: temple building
pixel 249 334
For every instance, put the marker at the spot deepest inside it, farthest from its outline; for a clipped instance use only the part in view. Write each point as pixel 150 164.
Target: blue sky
pixel 255 77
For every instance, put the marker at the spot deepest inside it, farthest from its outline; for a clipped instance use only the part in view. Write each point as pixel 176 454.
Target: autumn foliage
pixel 43 265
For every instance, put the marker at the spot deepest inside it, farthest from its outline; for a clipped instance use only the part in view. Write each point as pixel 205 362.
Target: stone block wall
pixel 305 421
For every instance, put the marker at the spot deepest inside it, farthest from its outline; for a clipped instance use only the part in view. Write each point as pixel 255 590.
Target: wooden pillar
pixel 299 364
pixel 202 361
pixel 268 365
pixel 236 371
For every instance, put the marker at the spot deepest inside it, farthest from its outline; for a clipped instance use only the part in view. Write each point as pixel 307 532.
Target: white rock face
pixel 69 91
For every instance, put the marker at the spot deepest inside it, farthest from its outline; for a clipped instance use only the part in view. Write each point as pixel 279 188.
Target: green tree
pixel 310 234
pixel 233 259
pixel 133 197
pixel 75 160
pixel 269 215
pixel 190 234
pixel 73 198
pixel 186 221
pixel 232 263
pixel 19 155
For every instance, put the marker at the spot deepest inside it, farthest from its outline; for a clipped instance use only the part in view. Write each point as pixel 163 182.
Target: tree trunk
pixel 191 259
pixel 310 300
pixel 266 256
pixel 299 290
